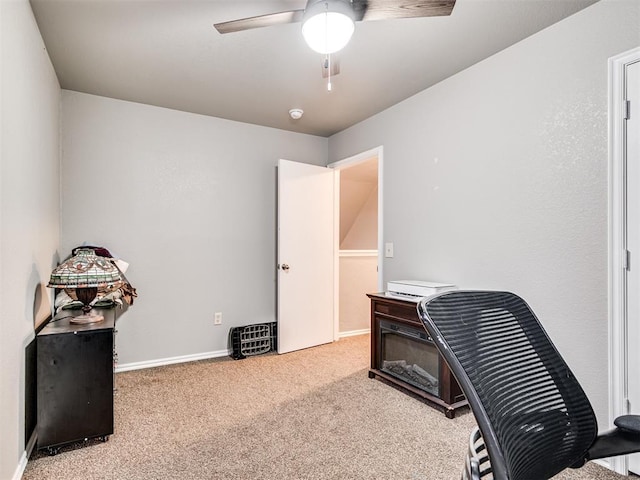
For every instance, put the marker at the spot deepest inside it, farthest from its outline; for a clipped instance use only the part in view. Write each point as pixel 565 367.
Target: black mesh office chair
pixel 534 419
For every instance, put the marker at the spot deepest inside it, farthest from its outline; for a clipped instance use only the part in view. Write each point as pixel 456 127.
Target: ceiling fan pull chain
pixel 327 63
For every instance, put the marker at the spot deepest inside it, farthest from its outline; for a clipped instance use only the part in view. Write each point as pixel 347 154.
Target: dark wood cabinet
pixel 403 354
pixel 75 380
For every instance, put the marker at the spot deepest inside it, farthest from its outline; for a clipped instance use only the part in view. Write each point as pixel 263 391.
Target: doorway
pixel 358 240
pixel 624 241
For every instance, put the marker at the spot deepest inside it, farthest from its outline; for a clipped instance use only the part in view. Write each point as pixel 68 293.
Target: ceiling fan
pixel 327 25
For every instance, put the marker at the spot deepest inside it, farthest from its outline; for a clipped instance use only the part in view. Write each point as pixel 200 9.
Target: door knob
pixel 285 267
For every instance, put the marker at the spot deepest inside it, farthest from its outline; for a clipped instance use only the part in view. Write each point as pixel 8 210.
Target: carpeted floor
pixel 312 414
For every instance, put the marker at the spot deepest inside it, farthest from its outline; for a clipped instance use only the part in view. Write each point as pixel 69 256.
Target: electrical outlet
pixel 217 318
pixel 388 250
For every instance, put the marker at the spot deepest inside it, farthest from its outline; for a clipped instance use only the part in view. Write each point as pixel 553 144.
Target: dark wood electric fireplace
pixel 403 354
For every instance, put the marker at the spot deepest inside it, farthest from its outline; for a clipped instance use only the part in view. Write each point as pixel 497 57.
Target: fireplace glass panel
pixel 408 354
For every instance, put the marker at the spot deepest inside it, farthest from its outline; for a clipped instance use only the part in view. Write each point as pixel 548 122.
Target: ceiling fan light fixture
pixel 327 25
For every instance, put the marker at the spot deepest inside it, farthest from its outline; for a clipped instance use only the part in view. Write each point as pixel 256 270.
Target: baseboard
pixel 353 333
pixel 25 456
pixel 125 367
pixel 603 462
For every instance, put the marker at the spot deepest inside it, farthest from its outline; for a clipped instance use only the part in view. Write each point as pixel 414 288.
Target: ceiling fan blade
pixel 292 16
pixel 387 9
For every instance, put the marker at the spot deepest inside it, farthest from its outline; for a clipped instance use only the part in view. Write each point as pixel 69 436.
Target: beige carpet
pixel 312 414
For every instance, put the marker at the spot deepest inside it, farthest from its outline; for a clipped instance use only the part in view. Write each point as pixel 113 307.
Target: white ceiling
pixel 167 53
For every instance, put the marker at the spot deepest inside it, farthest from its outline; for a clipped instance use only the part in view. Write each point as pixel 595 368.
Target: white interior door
pixel 305 255
pixel 632 134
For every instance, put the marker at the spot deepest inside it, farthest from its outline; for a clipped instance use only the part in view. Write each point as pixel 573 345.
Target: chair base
pixel 477 465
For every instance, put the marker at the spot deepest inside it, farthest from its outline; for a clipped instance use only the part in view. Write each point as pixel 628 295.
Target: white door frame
pixel 617 246
pixel 348 162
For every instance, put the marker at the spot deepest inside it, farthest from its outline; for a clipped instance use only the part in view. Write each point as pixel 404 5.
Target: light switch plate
pixel 388 250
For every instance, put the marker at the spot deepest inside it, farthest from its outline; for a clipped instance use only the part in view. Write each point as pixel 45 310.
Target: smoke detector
pixel 296 113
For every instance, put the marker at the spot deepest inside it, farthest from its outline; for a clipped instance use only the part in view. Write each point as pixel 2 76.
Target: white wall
pixel 358 276
pixel 497 178
pixel 29 211
pixel 190 202
pixel 353 195
pixel 362 232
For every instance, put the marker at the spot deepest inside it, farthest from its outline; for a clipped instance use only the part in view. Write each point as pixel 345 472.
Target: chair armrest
pixel 613 443
pixel 628 423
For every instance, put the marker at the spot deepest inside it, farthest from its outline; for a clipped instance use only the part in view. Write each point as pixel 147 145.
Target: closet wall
pixel 358 244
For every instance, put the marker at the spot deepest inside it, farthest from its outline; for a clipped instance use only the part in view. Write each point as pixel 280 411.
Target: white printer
pixel 416 289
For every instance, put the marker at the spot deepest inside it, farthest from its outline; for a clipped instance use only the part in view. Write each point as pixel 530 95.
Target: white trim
pixel 125 367
pixel 17 475
pixel 353 333
pixel 358 253
pixel 617 246
pixel 380 220
pixel 336 254
pixel 357 158
pixel 604 462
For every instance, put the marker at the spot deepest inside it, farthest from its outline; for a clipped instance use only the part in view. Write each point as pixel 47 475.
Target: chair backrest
pixel 533 415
